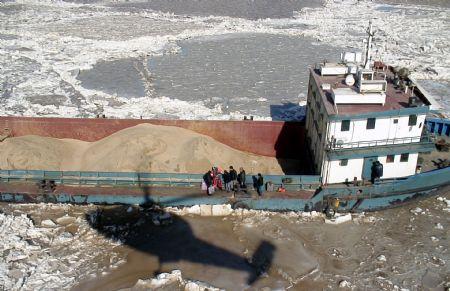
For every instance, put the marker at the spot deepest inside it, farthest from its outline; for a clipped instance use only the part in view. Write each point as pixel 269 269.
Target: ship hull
pixel 302 196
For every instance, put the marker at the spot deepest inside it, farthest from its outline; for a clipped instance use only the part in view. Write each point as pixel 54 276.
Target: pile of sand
pixel 144 148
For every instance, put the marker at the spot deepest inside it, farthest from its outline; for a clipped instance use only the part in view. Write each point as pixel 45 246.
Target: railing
pixel 291 182
pixel 438 126
pixel 419 182
pixel 336 145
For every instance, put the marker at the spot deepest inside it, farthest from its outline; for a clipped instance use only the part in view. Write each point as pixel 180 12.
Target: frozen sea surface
pixel 199 59
pixel 257 74
pixel 248 9
pixel 253 73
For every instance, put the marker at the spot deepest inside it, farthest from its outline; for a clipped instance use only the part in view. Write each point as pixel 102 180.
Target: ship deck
pixel 145 191
pixel 396 98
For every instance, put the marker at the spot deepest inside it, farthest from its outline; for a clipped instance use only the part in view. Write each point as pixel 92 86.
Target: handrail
pixel 425 180
pixel 292 182
pixel 333 145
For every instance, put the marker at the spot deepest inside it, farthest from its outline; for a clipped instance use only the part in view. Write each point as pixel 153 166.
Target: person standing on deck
pixel 226 180
pixel 241 179
pixel 207 178
pixel 233 178
pixel 259 184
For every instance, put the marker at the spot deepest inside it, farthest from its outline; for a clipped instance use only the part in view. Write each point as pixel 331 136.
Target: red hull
pixel 268 138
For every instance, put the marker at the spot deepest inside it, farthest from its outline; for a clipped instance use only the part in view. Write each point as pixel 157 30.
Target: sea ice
pixel 46 44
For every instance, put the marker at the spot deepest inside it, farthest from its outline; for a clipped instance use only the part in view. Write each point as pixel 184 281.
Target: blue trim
pixel 388 113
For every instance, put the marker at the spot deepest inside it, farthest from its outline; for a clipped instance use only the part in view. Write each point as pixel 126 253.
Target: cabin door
pixel 367 167
pixel 393 128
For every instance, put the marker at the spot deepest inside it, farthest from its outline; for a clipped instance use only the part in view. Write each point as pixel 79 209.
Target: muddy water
pixel 405 247
pixel 379 251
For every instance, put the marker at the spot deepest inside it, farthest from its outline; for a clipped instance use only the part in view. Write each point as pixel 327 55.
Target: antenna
pixel 369 45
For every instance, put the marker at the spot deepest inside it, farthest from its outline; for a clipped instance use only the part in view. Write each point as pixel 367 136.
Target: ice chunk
pixel 381 258
pixel 205 210
pixel 65 220
pixel 345 284
pixel 221 210
pixel 434 239
pixel 48 223
pixel 339 219
pixel 194 210
pixel 417 211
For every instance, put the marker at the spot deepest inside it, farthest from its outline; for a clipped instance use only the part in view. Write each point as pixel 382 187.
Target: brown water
pixel 252 250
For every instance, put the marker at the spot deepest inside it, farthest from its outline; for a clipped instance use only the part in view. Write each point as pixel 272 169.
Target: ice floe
pixel 32 257
pixel 47 48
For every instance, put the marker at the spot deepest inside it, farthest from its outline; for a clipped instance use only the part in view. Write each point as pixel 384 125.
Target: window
pixel 343 162
pixel 412 120
pixel 404 157
pixel 345 125
pixel 395 120
pixel 370 123
pixel 390 158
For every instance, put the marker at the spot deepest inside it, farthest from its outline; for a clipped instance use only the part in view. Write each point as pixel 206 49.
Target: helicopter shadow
pixel 174 242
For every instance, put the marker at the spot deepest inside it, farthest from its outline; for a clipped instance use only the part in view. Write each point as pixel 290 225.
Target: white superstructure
pixel 361 112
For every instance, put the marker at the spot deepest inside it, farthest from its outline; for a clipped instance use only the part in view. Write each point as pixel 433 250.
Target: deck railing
pixel 419 182
pixel 336 145
pixel 438 126
pixel 292 182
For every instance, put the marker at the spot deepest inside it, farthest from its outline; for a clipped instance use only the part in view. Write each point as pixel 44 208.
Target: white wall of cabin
pixel 385 128
pixel 397 168
pixel 334 173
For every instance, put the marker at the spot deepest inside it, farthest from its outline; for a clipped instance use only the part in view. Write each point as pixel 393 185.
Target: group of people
pixel 229 180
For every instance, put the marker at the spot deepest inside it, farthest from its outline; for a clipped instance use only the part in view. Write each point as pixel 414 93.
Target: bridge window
pixel 343 162
pixel 395 120
pixel 390 158
pixel 345 125
pixel 404 157
pixel 370 123
pixel 412 120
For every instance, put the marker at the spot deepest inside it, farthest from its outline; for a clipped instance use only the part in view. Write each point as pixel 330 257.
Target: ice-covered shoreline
pixel 41 55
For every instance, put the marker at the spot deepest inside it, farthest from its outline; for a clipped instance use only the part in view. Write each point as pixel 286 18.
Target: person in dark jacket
pixel 226 180
pixel 241 178
pixel 233 178
pixel 207 177
pixel 259 184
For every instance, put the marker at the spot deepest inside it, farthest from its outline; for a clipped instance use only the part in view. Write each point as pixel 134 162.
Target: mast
pixel 369 45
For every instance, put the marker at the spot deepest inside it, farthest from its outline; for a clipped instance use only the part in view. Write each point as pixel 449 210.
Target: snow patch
pixel 339 218
pixel 168 280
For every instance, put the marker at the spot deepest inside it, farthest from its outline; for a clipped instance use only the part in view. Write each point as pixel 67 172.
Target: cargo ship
pixel 361 147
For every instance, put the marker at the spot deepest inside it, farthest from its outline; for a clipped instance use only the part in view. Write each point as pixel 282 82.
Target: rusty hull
pixel 269 138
